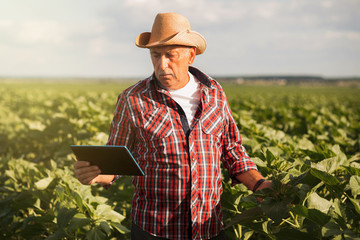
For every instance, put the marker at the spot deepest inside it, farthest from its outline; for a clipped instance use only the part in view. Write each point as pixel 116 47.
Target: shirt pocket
pixel 213 122
pixel 157 123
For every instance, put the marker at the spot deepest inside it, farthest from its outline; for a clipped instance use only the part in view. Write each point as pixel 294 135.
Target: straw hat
pixel 171 29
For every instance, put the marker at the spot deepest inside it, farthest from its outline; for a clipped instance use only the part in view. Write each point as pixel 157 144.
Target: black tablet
pixel 112 160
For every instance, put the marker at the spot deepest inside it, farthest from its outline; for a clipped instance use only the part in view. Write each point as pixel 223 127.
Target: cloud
pixel 244 37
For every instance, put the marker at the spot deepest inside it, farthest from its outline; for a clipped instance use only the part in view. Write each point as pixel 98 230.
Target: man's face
pixel 171 65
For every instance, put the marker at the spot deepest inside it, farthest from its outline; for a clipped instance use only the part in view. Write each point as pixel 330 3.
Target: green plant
pixel 306 140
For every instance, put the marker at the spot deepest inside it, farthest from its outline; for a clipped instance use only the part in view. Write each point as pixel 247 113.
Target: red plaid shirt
pixel 180 192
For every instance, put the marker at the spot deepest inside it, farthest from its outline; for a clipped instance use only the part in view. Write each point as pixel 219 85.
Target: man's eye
pixel 171 55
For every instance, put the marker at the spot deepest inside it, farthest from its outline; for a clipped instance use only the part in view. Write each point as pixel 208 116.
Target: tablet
pixel 112 160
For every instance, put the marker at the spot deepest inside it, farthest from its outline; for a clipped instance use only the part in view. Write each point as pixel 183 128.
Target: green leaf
pixel 353 169
pixel 246 216
pixel 95 234
pixel 325 177
pixel 330 229
pixel 274 209
pixel 11 174
pixel 328 165
pixel 337 150
pixel 24 200
pixel 355 185
pixel 53 164
pixel 247 235
pixel 259 162
pixel 105 227
pixel 107 213
pixel 120 228
pixel 4 211
pixel 293 234
pixel 43 183
pixel 305 144
pixel 79 201
pixel 315 156
pixel 356 203
pixel 298 179
pixel 60 192
pixel 312 214
pixel 319 203
pixel 31 228
pixel 269 156
pixel 64 216
pixel 58 235
pixel 275 151
pixel 78 221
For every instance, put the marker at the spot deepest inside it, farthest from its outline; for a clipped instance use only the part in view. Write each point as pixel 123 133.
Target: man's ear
pixel 192 54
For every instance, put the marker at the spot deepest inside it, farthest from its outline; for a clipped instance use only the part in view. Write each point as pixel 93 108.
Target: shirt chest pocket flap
pixel 212 121
pixel 157 123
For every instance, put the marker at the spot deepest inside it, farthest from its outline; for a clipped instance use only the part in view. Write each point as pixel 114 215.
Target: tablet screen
pixel 112 160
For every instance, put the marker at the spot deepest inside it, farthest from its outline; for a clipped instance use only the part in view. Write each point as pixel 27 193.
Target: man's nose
pixel 164 62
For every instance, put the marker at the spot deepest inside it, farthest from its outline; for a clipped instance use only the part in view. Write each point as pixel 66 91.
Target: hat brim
pixel 185 38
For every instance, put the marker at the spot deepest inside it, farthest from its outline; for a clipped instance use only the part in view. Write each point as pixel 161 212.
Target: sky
pixel 96 38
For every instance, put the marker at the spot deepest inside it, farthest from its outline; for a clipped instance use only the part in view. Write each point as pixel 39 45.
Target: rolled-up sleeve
pixel 234 158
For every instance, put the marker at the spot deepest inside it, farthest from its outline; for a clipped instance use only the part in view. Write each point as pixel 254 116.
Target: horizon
pixel 266 76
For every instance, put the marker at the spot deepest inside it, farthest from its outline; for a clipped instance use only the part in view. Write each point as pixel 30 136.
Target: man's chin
pixel 166 77
pixel 166 80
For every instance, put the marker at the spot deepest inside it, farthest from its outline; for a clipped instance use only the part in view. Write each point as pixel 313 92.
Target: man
pixel 178 125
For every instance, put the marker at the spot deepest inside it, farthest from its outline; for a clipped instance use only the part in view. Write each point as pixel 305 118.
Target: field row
pixel 307 140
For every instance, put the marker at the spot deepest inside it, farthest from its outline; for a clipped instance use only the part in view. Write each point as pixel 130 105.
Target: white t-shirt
pixel 188 97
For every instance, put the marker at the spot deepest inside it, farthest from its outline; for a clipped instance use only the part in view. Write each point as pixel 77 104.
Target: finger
pixel 91 180
pixel 87 177
pixel 81 164
pixel 84 170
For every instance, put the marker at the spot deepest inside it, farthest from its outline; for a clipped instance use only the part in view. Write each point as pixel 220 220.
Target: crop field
pixel 305 139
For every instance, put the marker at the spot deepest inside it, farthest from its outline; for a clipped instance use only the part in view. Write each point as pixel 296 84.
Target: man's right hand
pixel 88 174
